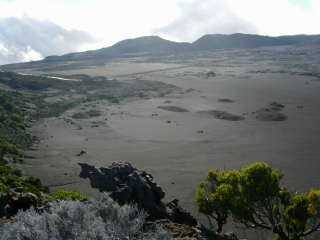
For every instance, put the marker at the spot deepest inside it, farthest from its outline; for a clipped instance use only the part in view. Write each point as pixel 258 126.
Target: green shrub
pixel 63 195
pixel 254 197
pixel 13 122
pixel 12 178
pixel 14 138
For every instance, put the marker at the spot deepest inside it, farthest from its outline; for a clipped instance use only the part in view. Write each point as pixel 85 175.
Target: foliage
pixel 254 197
pixel 31 82
pixel 12 178
pixel 13 122
pixel 55 109
pixel 14 138
pixel 93 220
pixel 7 148
pixel 63 195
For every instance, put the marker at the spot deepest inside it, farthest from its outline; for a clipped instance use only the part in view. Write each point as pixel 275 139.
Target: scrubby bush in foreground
pixel 13 184
pixel 254 197
pixel 74 220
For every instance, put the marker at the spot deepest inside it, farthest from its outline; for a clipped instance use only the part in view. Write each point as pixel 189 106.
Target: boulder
pixel 276 106
pixel 210 74
pixel 16 200
pixel 272 113
pixel 128 185
pixel 173 109
pixel 179 215
pixel 182 232
pixel 82 152
pixel 222 115
pixel 227 236
pixel 225 100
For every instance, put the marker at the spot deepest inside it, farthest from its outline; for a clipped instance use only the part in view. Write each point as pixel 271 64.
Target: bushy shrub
pixel 14 138
pixel 254 197
pixel 73 220
pixel 67 195
pixel 12 178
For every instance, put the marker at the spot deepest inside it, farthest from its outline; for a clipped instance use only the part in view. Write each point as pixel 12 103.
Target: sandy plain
pixel 179 147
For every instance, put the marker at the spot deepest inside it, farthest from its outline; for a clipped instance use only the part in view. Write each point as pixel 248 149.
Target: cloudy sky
pixel 33 29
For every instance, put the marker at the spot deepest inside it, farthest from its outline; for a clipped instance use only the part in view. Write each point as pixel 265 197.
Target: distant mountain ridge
pixel 238 40
pixel 157 45
pixel 154 45
pixel 129 47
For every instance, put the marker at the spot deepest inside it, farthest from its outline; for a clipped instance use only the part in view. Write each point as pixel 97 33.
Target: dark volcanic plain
pixel 261 104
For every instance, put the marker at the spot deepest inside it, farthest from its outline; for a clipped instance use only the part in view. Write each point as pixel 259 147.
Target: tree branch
pixel 312 230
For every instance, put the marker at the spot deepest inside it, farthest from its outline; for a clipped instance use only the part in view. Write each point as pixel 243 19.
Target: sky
pixel 33 29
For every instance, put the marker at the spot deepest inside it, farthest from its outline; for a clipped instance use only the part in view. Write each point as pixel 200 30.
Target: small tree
pixel 215 196
pixel 254 197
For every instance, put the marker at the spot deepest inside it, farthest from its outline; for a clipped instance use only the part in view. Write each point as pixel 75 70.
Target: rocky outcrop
pixel 173 109
pixel 82 152
pixel 179 215
pixel 181 231
pixel 187 232
pixel 272 113
pixel 227 236
pixel 128 185
pixel 210 74
pixel 16 200
pixel 222 115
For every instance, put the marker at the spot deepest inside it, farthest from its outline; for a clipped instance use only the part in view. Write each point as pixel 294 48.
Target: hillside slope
pixel 156 46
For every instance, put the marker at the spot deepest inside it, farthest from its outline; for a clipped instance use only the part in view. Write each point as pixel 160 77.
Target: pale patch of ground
pixel 122 68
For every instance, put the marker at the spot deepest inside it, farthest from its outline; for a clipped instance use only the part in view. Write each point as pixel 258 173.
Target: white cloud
pixel 30 55
pixel 107 20
pixel 280 17
pixel 26 39
pixel 4 51
pixel 9 54
pixel 204 17
pixel 110 21
pixel 269 17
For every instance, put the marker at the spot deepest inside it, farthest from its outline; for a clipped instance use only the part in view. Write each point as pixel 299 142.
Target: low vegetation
pixel 63 195
pixel 93 220
pixel 15 115
pixel 77 90
pixel 254 197
pixel 13 122
pixel 13 179
pixel 16 111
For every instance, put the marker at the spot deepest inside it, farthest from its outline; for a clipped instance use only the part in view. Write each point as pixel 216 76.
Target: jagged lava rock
pixel 17 200
pixel 128 185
